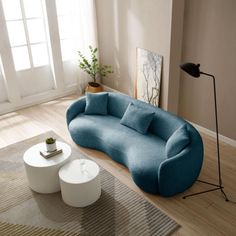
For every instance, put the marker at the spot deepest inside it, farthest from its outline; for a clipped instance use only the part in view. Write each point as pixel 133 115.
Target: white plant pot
pixel 51 147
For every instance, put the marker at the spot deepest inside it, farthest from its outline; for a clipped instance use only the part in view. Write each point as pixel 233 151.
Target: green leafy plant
pixel 92 66
pixel 50 140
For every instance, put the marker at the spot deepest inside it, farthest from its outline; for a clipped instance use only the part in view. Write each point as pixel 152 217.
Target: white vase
pixel 51 147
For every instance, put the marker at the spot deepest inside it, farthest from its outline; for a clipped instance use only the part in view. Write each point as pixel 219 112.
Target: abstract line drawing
pixel 148 81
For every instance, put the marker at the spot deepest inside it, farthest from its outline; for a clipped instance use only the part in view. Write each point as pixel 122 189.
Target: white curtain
pixel 3 93
pixel 88 33
pixel 77 30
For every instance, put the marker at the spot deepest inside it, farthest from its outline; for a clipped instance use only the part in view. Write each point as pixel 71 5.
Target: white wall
pixel 124 25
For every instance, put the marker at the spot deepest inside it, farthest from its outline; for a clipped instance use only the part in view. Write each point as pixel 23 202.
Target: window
pixel 27 33
pixel 39 40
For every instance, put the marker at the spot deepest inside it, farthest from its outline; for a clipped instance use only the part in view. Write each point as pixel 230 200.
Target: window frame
pixel 28 44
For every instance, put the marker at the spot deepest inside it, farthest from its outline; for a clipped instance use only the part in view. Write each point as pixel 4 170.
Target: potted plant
pixel 51 144
pixel 93 69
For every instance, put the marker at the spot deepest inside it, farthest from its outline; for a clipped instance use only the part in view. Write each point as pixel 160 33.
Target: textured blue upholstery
pixel 144 155
pixel 137 118
pixel 96 104
pixel 177 141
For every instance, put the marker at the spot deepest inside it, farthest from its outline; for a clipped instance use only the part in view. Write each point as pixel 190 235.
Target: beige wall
pixel 124 25
pixel 210 39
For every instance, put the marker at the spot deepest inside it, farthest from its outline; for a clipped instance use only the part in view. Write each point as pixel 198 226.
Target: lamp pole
pixel 217 134
pixel 193 70
pixel 216 123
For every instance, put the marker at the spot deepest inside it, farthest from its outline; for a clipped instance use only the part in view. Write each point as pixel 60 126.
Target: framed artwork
pixel 148 81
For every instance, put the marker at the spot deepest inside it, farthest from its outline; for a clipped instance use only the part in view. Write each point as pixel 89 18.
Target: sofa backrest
pixel 164 123
pixel 118 103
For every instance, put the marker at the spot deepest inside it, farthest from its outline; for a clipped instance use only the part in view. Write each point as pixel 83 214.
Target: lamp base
pixel 218 187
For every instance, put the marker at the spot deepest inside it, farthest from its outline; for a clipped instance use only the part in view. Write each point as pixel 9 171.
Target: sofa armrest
pixel 179 172
pixel 75 108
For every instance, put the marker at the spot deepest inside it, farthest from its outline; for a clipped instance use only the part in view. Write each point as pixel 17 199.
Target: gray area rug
pixel 119 211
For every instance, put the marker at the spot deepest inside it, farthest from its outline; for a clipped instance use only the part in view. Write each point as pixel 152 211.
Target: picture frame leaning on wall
pixel 148 76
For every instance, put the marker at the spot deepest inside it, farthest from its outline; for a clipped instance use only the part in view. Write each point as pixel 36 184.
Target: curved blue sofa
pixel 144 155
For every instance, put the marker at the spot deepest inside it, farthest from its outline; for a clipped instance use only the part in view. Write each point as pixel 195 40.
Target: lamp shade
pixel 191 69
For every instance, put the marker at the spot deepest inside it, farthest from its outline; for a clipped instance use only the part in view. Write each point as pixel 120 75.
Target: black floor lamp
pixel 193 70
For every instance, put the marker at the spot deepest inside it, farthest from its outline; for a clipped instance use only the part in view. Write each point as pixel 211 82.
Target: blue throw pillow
pixel 96 103
pixel 177 141
pixel 137 118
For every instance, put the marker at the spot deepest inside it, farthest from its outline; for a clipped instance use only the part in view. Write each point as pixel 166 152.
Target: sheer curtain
pixel 89 31
pixel 81 33
pixel 3 93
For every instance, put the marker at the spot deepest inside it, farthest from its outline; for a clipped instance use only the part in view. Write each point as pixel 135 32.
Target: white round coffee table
pixel 80 182
pixel 42 173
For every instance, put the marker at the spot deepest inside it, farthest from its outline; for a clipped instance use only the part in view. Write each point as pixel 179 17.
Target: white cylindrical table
pixel 80 182
pixel 42 173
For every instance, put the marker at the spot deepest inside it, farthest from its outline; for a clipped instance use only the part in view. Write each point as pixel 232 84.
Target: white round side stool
pixel 43 173
pixel 80 182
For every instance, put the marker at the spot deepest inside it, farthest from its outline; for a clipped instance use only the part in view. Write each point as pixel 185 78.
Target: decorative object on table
pixel 194 70
pixel 148 81
pixel 93 69
pixel 51 145
pixel 47 154
pixel 119 210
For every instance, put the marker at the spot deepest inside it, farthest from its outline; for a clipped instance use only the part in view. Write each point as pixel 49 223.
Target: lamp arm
pixel 217 129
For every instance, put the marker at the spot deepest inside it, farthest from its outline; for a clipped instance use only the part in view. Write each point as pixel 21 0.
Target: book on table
pixel 47 154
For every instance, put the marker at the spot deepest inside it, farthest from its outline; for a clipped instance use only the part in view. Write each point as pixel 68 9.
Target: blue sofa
pixel 143 154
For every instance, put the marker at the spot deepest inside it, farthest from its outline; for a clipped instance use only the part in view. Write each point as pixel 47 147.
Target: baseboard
pixel 211 133
pixel 109 89
pixel 36 99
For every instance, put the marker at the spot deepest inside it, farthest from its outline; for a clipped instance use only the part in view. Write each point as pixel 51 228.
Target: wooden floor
pixel 206 214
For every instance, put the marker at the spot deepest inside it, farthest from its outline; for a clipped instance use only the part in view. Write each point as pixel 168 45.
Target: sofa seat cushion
pixel 142 154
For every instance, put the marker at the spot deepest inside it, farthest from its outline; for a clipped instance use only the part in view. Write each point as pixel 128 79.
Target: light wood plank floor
pixel 206 214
